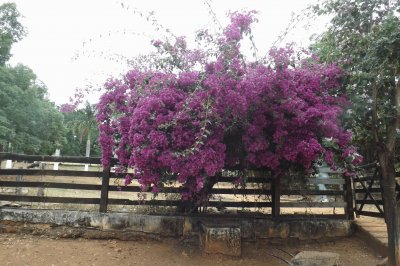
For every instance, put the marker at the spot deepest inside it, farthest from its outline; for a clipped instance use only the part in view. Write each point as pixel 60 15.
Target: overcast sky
pixel 71 43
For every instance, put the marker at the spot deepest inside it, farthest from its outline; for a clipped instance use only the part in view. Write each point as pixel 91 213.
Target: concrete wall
pixel 128 225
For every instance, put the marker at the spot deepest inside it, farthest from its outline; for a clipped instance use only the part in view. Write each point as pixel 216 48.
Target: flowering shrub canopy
pixel 199 111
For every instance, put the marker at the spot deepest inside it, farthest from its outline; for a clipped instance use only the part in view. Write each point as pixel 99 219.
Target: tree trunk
pixel 88 145
pixel 386 151
pixel 392 213
pixel 193 205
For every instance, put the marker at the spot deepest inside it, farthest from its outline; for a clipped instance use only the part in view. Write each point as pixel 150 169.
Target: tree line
pixel 29 122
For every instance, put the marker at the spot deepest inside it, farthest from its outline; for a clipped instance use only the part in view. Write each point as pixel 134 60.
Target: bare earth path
pixel 376 227
pixel 41 250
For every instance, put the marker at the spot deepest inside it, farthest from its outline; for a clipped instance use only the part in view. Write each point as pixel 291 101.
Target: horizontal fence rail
pixel 46 158
pixel 261 190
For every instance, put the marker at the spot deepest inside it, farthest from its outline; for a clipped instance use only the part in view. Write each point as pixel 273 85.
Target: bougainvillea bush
pixel 195 112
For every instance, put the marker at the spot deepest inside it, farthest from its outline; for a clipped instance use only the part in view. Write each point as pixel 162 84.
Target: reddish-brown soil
pixel 41 250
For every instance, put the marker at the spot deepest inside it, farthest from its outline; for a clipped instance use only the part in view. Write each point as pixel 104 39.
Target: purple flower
pixel 218 110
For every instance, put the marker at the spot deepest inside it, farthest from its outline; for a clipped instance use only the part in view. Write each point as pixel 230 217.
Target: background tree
pixel 82 132
pixel 364 38
pixel 29 122
pixel 11 30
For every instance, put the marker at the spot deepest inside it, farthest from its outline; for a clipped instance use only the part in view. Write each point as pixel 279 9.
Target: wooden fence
pixel 368 192
pixel 263 192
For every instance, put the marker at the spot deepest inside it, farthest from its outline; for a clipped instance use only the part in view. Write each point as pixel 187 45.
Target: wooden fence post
pixel 348 194
pixel 276 197
pixel 105 181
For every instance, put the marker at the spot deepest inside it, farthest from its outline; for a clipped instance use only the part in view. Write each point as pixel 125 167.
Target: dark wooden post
pixel 348 196
pixel 104 189
pixel 276 197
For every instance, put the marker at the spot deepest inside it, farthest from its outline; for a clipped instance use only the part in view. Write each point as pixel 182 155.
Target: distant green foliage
pixel 28 121
pixel 81 128
pixel 364 37
pixel 11 30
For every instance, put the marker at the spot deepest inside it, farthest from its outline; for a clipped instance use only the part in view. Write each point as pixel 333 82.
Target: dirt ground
pixel 41 250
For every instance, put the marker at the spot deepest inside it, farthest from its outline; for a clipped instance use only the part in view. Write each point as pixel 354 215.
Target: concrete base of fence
pixel 127 226
pixel 278 231
pixel 222 239
pixel 167 226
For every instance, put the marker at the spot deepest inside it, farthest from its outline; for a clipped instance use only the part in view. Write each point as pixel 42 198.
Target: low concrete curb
pixel 122 225
pixel 167 226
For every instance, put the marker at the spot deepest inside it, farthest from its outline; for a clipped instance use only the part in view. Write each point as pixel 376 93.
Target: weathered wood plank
pixel 328 181
pixel 222 191
pixel 305 192
pixel 49 185
pixel 242 204
pixel 313 204
pixel 36 172
pixel 50 199
pixel 328 170
pixel 373 202
pixel 289 216
pixel 372 214
pixel 227 191
pixel 241 191
pixel 371 190
pixel 46 158
pixel 112 201
pixel 366 178
pixel 259 180
pixel 367 166
pixel 72 200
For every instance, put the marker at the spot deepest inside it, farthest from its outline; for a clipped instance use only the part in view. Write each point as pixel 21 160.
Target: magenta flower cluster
pixel 190 124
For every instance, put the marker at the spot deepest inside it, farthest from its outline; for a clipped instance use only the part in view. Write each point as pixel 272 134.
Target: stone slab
pixel 221 240
pixel 315 258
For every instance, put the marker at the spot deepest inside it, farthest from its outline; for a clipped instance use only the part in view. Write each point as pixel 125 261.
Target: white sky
pixel 70 43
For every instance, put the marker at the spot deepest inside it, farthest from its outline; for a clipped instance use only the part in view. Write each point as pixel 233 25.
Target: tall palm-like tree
pixel 83 125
